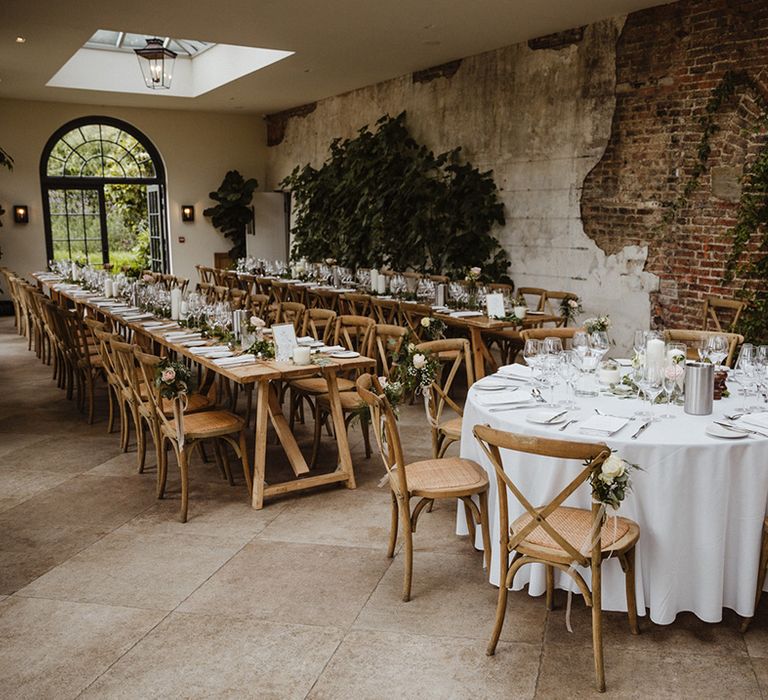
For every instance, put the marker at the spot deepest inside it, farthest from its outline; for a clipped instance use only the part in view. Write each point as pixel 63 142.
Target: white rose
pixel 613 467
pixel 419 361
pixel 475 271
pixel 425 322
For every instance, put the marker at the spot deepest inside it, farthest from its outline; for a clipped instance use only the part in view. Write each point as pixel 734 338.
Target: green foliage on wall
pixel 233 212
pixel 381 199
pixel 748 258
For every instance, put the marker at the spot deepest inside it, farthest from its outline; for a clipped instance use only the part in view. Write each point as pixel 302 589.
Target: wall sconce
pixel 187 212
pixel 21 213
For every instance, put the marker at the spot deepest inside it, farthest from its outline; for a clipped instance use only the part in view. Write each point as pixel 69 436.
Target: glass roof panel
pixel 125 42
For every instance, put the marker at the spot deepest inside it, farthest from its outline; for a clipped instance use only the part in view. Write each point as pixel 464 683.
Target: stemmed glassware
pixel 651 382
pixel 568 370
pixel 717 349
pixel 671 374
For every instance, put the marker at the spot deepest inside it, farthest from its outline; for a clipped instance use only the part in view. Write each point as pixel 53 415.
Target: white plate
pixel 719 431
pixel 491 387
pixel 194 343
pixel 542 417
pixel 218 355
pixel 345 354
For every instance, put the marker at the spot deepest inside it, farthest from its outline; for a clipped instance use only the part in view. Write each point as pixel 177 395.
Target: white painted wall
pixel 197 149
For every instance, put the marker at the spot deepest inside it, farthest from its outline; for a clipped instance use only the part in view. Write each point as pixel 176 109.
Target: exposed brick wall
pixel 668 61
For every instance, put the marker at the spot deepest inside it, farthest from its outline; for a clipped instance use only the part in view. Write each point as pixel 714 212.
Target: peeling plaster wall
pixel 541 120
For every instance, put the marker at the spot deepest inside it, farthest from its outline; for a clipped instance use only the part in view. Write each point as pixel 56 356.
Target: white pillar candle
pixel 654 354
pixel 184 310
pixel 301 355
pixel 381 284
pixel 175 304
pixel 109 289
pixel 440 295
pixel 374 279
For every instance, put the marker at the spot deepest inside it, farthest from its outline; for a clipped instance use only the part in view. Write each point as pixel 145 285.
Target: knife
pixel 739 429
pixel 512 407
pixel 556 416
pixel 641 428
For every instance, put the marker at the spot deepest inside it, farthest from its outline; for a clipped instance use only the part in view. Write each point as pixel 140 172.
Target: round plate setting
pixel 345 354
pixel 719 431
pixel 542 417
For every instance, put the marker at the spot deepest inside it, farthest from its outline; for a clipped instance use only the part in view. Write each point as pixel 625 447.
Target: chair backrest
pixel 535 297
pixel 354 332
pixel 105 352
pixel 412 315
pixel 279 291
pixel 385 430
pixel 124 364
pixel 565 334
pixel 722 314
pixel 220 292
pixel 692 338
pixel 205 274
pixel 457 353
pixel 237 298
pixel 440 279
pixel 492 441
pixel 322 299
pixel 554 302
pixel 502 287
pixel 385 310
pixel 290 312
pixel 356 304
pixel 207 291
pixel 146 367
pixel 320 324
pixel 387 340
pixel 259 305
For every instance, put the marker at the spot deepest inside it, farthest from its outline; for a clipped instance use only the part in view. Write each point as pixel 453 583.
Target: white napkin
pixel 603 425
pixel 501 397
pixel 233 361
pixel 516 371
pixel 136 317
pixel 465 314
pixel 207 349
pixel 305 340
pixel 332 348
pixel 183 334
pixel 759 420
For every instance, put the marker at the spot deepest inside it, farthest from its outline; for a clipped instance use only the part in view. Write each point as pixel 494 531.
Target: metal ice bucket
pixel 699 388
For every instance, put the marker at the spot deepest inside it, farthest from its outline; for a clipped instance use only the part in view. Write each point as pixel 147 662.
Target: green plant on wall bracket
pixel 233 213
pixel 381 198
pixel 747 260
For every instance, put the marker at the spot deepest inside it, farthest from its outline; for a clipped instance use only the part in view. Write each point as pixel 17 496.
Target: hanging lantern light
pixel 156 63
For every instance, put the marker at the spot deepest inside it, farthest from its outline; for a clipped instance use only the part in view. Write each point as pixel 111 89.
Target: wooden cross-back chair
pixel 557 536
pixel 185 431
pixel 86 361
pixel 692 338
pixel 387 340
pixel 238 298
pixel 356 304
pixel 204 274
pixel 323 299
pixel 427 480
pixel 538 297
pixel 446 432
pixel 412 314
pixel 279 290
pixel 385 310
pixel 354 332
pixel 207 291
pixel 259 306
pixel 114 396
pixel 320 324
pixel 248 284
pixel 124 365
pixel 553 302
pixel 722 314
pixel 290 312
pixel 218 276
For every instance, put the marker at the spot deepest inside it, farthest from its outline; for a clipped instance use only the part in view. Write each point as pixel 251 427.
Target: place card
pixel 494 305
pixel 603 425
pixel 284 337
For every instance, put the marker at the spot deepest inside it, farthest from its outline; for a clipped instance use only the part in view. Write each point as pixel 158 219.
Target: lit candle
pixel 654 354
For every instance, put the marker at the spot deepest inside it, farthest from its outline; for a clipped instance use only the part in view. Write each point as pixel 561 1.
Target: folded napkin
pixel 305 340
pixel 536 313
pixel 603 425
pixel 465 314
pixel 516 371
pixel 234 361
pixel 207 349
pixel 439 309
pixel 496 398
pixel 183 334
pixel 332 348
pixel 759 420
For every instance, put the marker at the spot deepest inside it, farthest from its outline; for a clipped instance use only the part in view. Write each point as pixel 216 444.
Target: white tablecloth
pixel 700 502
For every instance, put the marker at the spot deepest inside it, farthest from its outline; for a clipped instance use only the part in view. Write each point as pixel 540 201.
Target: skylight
pixel 125 41
pixel 107 62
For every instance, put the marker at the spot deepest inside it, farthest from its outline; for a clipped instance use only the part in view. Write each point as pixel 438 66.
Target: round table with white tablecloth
pixel 699 500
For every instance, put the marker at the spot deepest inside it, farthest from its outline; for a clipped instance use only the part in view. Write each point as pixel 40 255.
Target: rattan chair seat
pixel 574 525
pixel 195 402
pixel 210 424
pixel 452 428
pixel 449 476
pixel 318 385
pixel 350 400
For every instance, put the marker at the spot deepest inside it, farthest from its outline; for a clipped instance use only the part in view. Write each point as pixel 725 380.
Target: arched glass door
pixel 103 188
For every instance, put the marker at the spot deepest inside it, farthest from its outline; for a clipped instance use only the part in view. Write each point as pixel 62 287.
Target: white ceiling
pixel 339 45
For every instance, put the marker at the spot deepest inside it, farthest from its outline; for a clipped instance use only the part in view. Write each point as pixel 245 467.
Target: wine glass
pixel 580 343
pixel 599 343
pixel 652 383
pixel 717 349
pixel 531 352
pixel 702 347
pixel 568 370
pixel 553 346
pixel 670 377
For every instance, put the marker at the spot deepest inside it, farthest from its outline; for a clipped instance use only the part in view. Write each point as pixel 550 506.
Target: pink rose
pixel 168 375
pixel 148 278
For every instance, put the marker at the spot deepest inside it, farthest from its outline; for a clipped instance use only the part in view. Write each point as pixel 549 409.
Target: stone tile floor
pixel 103 593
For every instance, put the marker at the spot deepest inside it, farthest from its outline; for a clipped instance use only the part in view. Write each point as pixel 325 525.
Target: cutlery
pixel 640 429
pixel 536 393
pixel 556 416
pixel 511 408
pixel 567 423
pixel 739 429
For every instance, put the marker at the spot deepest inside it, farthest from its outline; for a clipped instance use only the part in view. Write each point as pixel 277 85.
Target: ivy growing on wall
pixel 381 198
pixel 751 230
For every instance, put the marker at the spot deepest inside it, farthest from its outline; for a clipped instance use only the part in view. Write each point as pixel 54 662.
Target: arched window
pixel 104 195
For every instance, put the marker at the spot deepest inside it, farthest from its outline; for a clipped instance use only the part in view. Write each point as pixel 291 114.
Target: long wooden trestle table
pixel 265 374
